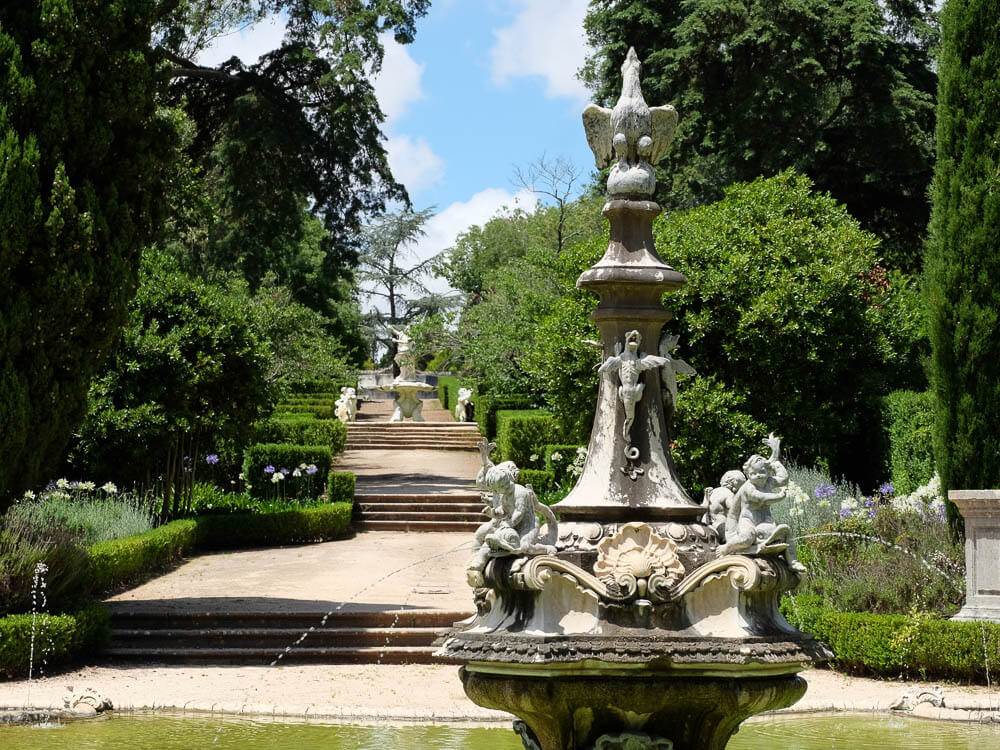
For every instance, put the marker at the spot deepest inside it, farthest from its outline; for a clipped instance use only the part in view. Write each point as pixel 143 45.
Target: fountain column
pixel 626 625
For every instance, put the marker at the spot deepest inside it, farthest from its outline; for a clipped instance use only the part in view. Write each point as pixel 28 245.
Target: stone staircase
pixel 396 511
pixel 372 435
pixel 385 637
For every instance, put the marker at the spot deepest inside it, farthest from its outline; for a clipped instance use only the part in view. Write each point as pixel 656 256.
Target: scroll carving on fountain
pixel 642 619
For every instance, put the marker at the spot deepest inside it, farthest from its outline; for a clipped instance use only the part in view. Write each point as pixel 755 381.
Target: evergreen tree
pixel 82 152
pixel 841 90
pixel 963 251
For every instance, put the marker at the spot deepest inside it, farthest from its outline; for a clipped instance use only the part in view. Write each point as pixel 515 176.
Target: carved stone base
pixel 575 712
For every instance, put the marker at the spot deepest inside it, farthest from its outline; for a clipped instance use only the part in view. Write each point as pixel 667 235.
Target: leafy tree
pixel 841 90
pixel 398 291
pixel 191 372
pixel 963 253
pixel 82 156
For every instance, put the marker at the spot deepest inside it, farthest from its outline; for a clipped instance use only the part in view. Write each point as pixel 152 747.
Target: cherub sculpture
pixel 404 353
pixel 345 408
pixel 462 406
pixel 629 363
pixel 513 528
pixel 721 503
pixel 755 531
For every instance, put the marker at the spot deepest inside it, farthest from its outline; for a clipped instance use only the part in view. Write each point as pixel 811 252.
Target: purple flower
pixel 871 514
pixel 212 458
pixel 846 513
pixel 824 490
pixel 886 489
pixel 285 471
pixel 269 469
pixel 312 469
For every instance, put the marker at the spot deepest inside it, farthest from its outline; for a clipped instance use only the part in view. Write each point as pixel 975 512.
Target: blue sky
pixel 488 85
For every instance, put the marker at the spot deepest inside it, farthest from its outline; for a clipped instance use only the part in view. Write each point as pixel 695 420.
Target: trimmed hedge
pixel 908 426
pixel 285 456
pixel 558 468
pixel 540 481
pixel 303 429
pixel 488 405
pixel 58 638
pixel 266 529
pixel 132 558
pixel 321 411
pixel 340 487
pixel 900 646
pixel 523 432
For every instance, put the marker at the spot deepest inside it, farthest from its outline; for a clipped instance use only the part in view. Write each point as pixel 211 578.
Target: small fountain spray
pixel 633 623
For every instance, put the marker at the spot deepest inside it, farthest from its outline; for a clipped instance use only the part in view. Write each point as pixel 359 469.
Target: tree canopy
pixel 83 151
pixel 840 90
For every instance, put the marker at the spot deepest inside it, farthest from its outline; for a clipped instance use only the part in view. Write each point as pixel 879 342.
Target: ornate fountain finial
pixel 637 133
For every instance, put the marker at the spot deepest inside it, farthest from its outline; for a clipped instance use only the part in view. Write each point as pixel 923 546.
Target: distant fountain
pixel 406 386
pixel 627 624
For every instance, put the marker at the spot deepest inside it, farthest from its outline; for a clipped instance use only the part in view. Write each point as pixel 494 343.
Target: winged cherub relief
pixel 629 363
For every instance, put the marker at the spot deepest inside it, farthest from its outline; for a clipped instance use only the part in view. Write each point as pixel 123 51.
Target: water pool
pixel 172 732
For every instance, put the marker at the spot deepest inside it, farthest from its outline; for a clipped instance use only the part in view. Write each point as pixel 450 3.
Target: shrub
pixel 487 406
pixel 522 433
pixel 320 411
pixel 88 516
pixel 541 481
pixel 20 554
pixel 264 462
pixel 340 487
pixel 327 521
pixel 558 458
pixel 210 500
pixel 58 638
pixel 900 646
pixel 303 429
pixel 908 427
pixel 117 562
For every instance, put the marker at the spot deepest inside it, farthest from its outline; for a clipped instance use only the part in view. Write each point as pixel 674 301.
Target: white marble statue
pixel 750 526
pixel 404 354
pixel 346 406
pixel 462 407
pixel 513 528
pixel 629 363
pixel 638 134
pixel 721 503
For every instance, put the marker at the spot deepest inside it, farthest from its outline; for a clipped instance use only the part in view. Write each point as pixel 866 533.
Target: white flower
pixel 109 488
pixel 556 456
pixel 87 486
pixel 824 503
pixel 62 484
pixel 297 473
pixel 29 495
pixel 277 477
pixel 533 457
pixel 303 467
pixel 241 477
pixel 795 511
pixel 849 503
pixel 581 451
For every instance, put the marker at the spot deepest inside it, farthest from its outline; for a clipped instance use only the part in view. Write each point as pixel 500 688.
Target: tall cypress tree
pixel 81 158
pixel 962 274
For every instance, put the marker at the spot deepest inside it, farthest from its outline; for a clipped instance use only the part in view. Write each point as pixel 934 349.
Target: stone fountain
pixel 406 386
pixel 641 619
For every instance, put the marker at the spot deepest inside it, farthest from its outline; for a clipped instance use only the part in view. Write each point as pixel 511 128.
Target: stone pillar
pixel 981 511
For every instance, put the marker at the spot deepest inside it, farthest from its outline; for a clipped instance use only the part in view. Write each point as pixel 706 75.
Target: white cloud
pixel 397 85
pixel 546 39
pixel 413 162
pixel 248 44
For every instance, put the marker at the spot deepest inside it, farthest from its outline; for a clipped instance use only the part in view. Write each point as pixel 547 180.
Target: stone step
pixel 475 516
pixel 470 526
pixel 413 446
pixel 297 655
pixel 459 511
pixel 123 617
pixel 273 639
pixel 400 498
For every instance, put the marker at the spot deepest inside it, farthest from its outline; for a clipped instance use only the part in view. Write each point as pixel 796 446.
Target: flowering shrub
pixel 280 471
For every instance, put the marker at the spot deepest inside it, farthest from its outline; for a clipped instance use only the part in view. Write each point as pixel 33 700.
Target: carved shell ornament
pixel 636 558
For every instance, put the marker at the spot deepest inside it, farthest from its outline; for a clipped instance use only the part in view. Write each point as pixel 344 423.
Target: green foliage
pixel 908 420
pixel 129 560
pixel 779 307
pixel 189 375
pixel 521 433
pixel 22 550
pixel 320 410
pixel 488 404
pixel 315 524
pixel 82 149
pixel 963 251
pixel 711 426
pixel 558 458
pixel 841 90
pixel 448 386
pixel 340 487
pixel 265 461
pixel 900 646
pixel 58 638
pixel 303 431
pixel 541 481
pixel 212 500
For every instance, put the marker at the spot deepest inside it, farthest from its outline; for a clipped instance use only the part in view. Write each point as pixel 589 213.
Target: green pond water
pixel 162 732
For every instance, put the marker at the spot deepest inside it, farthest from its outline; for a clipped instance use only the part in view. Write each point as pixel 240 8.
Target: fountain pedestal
pixel 408 403
pixel 628 626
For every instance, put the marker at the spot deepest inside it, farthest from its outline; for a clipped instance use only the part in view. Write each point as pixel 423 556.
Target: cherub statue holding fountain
pixel 513 528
